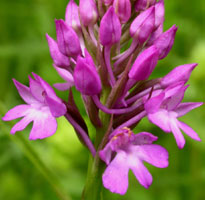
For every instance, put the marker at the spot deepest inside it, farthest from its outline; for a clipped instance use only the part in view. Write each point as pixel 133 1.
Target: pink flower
pixel 42 107
pixel 164 109
pixel 131 150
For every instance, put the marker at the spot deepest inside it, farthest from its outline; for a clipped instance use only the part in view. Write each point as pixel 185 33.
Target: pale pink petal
pixel 177 134
pixel 184 108
pixel 161 119
pixel 16 112
pixel 65 74
pixel 48 89
pixel 44 125
pixel 105 154
pixel 144 138
pixel 115 177
pixel 25 93
pixel 153 104
pixel 142 174
pixel 21 125
pixel 62 86
pixel 189 131
pixel 153 154
pixel 57 108
pixel 36 89
pixel 173 101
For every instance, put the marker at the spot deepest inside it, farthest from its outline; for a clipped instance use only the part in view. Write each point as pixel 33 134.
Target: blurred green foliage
pixel 23 49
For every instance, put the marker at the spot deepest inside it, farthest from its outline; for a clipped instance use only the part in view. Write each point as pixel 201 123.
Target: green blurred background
pixel 23 49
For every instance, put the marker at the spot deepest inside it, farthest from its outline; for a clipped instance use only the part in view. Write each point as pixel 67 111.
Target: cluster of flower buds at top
pixel 107 50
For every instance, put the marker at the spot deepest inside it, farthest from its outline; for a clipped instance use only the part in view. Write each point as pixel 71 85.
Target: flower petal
pixel 142 174
pixel 65 74
pixel 25 92
pixel 16 112
pixel 21 125
pixel 144 138
pixel 36 89
pixel 153 154
pixel 184 108
pixel 189 131
pixel 57 108
pixel 161 119
pixel 177 133
pixel 62 86
pixel 115 177
pixel 44 126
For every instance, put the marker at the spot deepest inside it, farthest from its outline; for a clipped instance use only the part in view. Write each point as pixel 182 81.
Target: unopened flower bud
pixel 144 64
pixel 86 78
pixel 88 12
pixel 110 28
pixel 142 5
pixel 159 13
pixel 122 9
pixel 178 74
pixel 72 17
pixel 143 25
pixel 67 39
pixel 58 58
pixel 165 41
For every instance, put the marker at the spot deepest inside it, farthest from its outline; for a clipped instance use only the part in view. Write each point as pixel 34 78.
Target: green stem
pixel 34 158
pixel 93 186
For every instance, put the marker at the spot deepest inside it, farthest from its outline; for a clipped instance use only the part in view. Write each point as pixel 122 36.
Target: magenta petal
pixel 180 73
pixel 173 100
pixel 25 93
pixel 153 154
pixel 36 89
pixel 189 131
pixel 177 133
pixel 21 125
pixel 57 108
pixel 144 138
pixel 65 74
pixel 153 104
pixel 161 119
pixel 16 112
pixel 62 86
pixel 142 174
pixel 48 89
pixel 184 108
pixel 58 58
pixel 43 127
pixel 105 154
pixel 115 177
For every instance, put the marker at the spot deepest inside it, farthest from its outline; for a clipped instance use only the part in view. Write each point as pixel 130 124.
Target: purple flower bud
pixel 86 78
pixel 144 64
pixel 159 13
pixel 88 12
pixel 142 5
pixel 178 74
pixel 72 17
pixel 165 42
pixel 58 58
pixel 110 28
pixel 155 35
pixel 107 2
pixel 122 9
pixel 143 25
pixel 67 39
